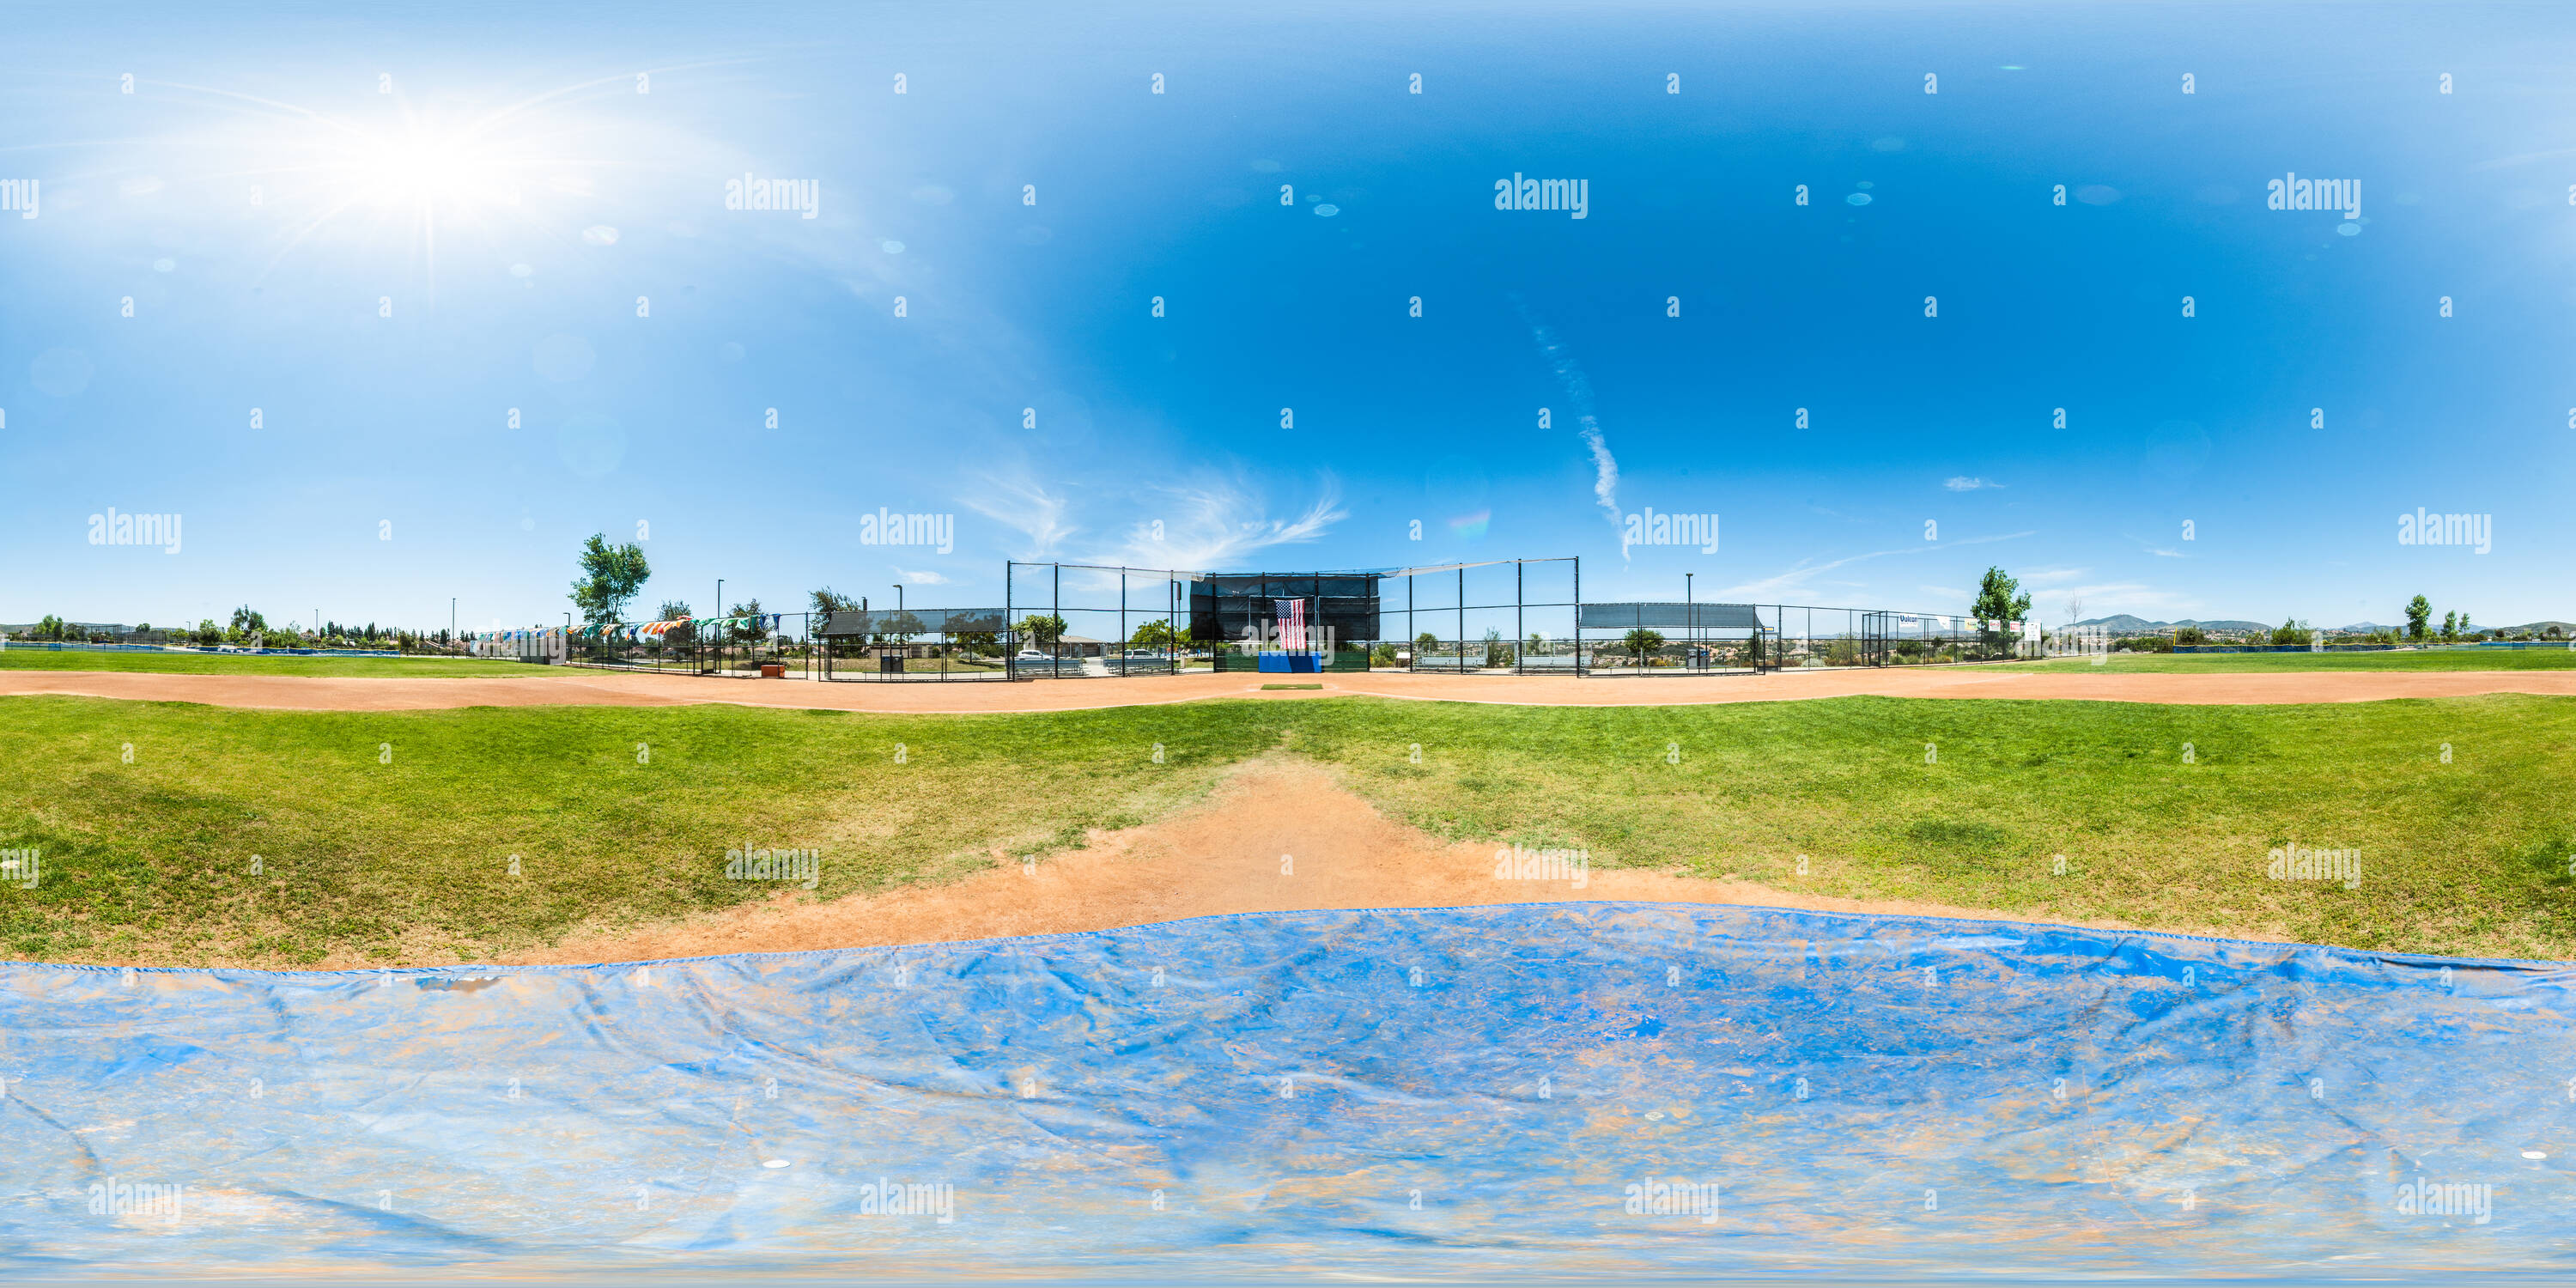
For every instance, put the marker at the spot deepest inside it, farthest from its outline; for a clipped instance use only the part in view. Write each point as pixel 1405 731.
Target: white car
pixel 1031 655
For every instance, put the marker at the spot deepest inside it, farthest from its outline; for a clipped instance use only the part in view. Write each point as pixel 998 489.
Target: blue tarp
pixel 1562 1089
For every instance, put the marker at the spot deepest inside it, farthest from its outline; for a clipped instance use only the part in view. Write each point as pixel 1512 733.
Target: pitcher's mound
pixel 1279 835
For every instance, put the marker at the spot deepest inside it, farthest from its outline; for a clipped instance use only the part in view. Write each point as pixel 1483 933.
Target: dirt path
pixel 1280 835
pixel 576 686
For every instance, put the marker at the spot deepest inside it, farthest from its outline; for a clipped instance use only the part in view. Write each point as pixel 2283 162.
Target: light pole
pixel 898 598
pixel 451 622
pixel 1692 614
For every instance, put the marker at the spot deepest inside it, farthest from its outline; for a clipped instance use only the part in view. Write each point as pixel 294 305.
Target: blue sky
pixel 386 232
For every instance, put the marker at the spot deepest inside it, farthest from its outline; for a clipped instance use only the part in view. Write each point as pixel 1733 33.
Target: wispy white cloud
pixel 2162 553
pixel 1804 572
pixel 2038 577
pixel 919 577
pixel 1578 397
pixel 1964 483
pixel 1605 472
pixel 1026 507
pixel 1214 522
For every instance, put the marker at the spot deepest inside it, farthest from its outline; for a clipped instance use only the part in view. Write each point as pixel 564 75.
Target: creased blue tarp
pixel 1472 1091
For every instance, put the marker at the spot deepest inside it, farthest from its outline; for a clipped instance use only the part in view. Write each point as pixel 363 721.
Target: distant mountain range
pixel 2125 622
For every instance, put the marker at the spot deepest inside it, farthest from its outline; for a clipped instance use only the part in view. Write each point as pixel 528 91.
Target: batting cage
pixel 1493 617
pixel 1068 621
pixel 934 644
pixel 745 645
pixel 1665 637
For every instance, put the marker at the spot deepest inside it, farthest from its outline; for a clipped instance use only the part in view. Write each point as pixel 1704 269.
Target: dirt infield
pixel 579 687
pixel 1280 835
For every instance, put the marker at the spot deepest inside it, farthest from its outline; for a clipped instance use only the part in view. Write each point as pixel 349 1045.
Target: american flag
pixel 1292 625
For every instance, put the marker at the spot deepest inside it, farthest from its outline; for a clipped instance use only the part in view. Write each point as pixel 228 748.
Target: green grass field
pixel 24 659
pixel 2500 659
pixel 389 836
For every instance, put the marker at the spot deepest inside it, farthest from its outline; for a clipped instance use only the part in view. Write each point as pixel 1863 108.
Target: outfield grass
pixel 404 855
pixel 2495 659
pixel 27 659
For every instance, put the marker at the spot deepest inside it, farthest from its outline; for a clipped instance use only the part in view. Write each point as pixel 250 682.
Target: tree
pixel 2188 635
pixel 1999 601
pixel 2450 626
pixel 1044 631
pixel 2465 628
pixel 610 578
pixel 246 621
pixel 2292 631
pixel 1642 641
pixel 1156 634
pixel 2416 613
pixel 827 601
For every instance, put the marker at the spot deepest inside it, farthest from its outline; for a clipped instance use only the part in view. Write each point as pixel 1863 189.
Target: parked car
pixel 1030 655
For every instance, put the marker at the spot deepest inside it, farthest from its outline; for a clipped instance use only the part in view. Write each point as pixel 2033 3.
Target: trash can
pixel 773 670
pixel 890 664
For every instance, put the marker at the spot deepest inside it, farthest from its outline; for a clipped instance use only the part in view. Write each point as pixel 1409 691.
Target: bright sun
pixel 426 169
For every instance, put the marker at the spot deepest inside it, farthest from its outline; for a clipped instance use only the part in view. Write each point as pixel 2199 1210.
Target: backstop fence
pixel 743 647
pixel 1499 617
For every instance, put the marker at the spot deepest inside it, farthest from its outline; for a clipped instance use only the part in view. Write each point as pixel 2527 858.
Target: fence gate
pixel 1874 632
